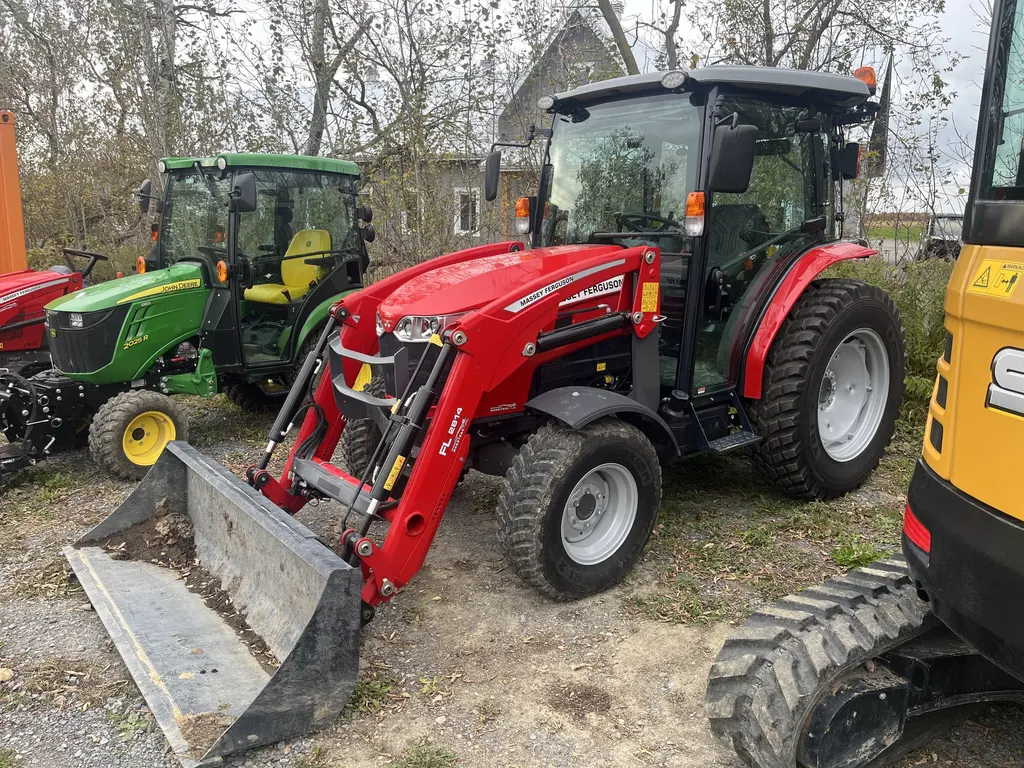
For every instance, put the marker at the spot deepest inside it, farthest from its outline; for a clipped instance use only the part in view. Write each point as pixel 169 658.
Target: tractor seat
pixel 297 277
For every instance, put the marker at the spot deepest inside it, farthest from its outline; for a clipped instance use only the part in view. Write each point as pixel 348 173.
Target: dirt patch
pixel 577 700
pixel 62 681
pixel 167 540
pixel 201 731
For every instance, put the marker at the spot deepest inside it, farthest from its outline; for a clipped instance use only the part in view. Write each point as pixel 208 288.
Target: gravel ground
pixel 466 667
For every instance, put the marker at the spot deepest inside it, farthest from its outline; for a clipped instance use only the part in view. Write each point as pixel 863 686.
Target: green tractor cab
pixel 249 253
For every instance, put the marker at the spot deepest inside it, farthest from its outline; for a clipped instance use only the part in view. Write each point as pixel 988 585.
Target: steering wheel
pixel 210 251
pixel 633 222
pixel 92 256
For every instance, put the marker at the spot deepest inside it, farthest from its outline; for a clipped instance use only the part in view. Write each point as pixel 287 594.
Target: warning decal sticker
pixel 995 277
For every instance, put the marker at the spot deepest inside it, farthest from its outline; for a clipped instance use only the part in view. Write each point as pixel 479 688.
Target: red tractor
pixel 671 304
pixel 23 291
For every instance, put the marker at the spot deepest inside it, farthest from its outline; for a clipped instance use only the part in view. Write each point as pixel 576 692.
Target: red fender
pixel 808 267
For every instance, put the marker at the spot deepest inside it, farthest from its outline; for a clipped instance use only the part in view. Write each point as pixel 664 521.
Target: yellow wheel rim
pixel 146 436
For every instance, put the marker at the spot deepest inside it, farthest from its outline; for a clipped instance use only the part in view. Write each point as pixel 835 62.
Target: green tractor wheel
pixel 131 430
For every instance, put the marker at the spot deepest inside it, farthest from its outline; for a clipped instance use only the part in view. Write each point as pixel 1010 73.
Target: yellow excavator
pixel 864 668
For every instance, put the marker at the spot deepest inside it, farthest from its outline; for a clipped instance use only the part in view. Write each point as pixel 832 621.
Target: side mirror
pixel 364 213
pixel 846 161
pixel 368 233
pixel 243 194
pixel 491 174
pixel 732 158
pixel 145 193
pixel 810 226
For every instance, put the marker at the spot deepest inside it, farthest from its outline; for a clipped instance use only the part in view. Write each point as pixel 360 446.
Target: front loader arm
pixel 479 351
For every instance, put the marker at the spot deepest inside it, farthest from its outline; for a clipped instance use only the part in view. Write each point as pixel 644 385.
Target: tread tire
pixel 360 437
pixel 108 425
pixel 791 454
pixel 534 492
pixel 769 673
pixel 250 398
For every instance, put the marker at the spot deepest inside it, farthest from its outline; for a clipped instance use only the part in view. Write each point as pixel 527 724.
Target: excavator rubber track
pixel 772 673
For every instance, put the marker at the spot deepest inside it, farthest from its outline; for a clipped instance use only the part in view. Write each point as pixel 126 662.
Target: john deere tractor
pixel 249 252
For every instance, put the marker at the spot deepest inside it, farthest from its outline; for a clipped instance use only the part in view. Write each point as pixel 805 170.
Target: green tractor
pixel 249 252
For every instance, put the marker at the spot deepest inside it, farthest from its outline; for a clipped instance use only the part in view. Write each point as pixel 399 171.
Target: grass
pixel 7 758
pixel 63 682
pixel 905 233
pixel 727 542
pixel 425 757
pixel 374 693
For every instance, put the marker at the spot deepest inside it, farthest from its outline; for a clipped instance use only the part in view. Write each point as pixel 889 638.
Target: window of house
pixel 467 211
pixel 409 215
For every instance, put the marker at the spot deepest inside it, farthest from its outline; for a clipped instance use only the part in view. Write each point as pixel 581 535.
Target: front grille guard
pixel 358 404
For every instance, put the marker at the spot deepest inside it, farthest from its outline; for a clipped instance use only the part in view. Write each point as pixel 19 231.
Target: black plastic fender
pixel 579 406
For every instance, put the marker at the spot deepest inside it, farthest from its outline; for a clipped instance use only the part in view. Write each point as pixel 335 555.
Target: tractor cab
pixel 277 238
pixel 732 172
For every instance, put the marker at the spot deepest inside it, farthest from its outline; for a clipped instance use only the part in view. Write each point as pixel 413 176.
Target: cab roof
pixel 839 91
pixel 266 160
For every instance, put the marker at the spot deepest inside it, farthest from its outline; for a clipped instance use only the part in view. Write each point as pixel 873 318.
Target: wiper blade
pixel 210 183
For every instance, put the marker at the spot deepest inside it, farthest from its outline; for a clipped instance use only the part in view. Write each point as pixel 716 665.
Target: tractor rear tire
pixel 828 316
pixel 130 430
pixel 553 491
pixel 252 398
pixel 360 437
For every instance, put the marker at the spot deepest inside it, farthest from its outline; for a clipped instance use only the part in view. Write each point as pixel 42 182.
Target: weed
pixel 856 554
pixel 488 711
pixel 7 758
pixel 426 757
pixel 129 725
pixel 372 694
pixel 313 759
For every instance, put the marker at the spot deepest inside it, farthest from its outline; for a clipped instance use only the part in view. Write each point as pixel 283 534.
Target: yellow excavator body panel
pixel 975 431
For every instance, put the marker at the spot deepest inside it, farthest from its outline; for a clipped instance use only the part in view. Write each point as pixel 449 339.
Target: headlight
pixel 380 325
pixel 162 167
pixel 76 320
pixel 418 328
pixel 222 163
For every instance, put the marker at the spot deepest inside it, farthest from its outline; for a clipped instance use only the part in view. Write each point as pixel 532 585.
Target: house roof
pixel 576 9
pixel 839 90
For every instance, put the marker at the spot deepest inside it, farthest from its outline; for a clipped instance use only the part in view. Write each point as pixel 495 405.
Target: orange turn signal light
pixel 523 208
pixel 222 271
pixel 867 76
pixel 695 204
pixel 140 265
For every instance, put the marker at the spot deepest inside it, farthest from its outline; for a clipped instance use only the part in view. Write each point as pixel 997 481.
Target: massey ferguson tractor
pixel 670 304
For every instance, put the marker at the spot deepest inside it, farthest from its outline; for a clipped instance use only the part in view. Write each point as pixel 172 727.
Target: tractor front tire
pixel 131 430
pixel 360 437
pixel 831 391
pixel 577 507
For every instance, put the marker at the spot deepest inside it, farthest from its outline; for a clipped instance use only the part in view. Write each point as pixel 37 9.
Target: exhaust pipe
pixel 201 661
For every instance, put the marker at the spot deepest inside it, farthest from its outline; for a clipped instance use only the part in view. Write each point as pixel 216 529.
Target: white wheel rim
pixel 599 514
pixel 852 394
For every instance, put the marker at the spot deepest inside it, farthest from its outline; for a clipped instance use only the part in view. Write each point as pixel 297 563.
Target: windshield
pixel 290 202
pixel 623 166
pixel 948 227
pixel 195 215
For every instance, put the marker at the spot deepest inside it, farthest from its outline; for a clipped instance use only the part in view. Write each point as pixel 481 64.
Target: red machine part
pixel 809 266
pixel 23 295
pixel 495 350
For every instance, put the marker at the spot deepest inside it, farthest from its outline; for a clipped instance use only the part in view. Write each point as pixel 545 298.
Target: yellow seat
pixel 297 276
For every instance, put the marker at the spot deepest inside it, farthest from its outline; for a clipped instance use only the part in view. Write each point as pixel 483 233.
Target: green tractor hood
pixel 159 282
pixel 115 332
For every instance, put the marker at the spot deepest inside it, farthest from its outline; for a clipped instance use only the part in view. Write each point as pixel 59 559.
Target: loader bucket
pixel 213 684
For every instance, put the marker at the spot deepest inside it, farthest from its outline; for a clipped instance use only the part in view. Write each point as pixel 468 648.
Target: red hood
pixel 471 284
